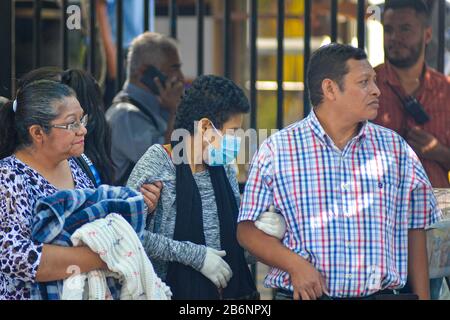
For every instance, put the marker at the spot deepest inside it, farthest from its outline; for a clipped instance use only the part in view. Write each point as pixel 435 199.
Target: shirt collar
pixel 142 96
pixel 325 138
pixel 146 99
pixel 393 79
pixel 317 127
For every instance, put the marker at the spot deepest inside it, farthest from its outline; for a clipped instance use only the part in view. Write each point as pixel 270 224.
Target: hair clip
pixel 15 106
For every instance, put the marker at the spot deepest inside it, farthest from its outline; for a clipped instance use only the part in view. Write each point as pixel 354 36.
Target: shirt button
pixel 349 244
pixel 345 186
pixel 348 276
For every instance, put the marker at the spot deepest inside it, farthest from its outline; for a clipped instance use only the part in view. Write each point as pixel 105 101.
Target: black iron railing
pixel 7 59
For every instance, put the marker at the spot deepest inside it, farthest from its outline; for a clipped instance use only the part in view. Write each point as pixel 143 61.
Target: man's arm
pixel 418 263
pixel 105 33
pixel 307 281
pixel 444 158
pixel 429 147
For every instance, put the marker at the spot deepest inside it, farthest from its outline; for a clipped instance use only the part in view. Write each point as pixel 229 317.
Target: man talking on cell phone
pixel 141 115
pixel 411 91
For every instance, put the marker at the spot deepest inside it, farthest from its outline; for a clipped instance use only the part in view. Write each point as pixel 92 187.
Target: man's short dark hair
pixel 330 62
pixel 421 7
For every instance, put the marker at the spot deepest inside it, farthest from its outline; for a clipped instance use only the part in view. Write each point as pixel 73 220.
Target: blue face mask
pixel 227 153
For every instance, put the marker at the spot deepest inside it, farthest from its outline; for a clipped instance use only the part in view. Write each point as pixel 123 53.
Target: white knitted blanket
pixel 119 246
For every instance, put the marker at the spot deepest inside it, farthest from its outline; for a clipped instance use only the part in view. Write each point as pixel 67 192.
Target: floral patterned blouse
pixel 20 188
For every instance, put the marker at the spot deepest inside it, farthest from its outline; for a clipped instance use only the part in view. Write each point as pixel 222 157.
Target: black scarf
pixel 185 282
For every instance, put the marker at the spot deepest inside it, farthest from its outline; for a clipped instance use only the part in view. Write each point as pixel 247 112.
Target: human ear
pixel 329 88
pixel 205 128
pixel 36 133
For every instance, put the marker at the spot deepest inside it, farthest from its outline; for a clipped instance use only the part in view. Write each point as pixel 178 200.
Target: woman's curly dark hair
pixel 213 97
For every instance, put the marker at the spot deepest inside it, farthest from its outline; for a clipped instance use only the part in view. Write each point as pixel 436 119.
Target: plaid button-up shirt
pixel 347 212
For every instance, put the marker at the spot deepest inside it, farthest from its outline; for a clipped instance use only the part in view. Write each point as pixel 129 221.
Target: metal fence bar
pixel 200 36
pixel 119 44
pixel 441 35
pixel 7 48
pixel 253 63
pixel 227 38
pixel 146 15
pixel 173 12
pixel 306 56
pixel 64 36
pixel 92 36
pixel 37 28
pixel 361 24
pixel 280 64
pixel 334 20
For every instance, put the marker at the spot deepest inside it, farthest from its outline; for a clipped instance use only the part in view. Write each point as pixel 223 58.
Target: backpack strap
pixel 125 98
pixel 85 167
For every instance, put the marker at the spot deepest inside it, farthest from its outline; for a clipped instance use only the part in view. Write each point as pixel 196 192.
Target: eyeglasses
pixel 74 126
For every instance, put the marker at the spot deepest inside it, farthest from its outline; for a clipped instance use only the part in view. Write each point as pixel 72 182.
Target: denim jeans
pixel 436 288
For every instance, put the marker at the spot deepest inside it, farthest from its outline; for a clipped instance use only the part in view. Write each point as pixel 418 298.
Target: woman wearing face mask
pixel 40 133
pixel 191 237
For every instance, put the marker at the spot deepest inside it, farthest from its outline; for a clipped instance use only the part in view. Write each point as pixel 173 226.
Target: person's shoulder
pixel 8 161
pixel 156 156
pixel 381 71
pixel 154 165
pixel 438 77
pixel 158 151
pixel 280 136
pixel 126 116
pixel 10 164
pixel 120 110
pixel 380 68
pixel 376 129
pixel 10 172
pixel 387 136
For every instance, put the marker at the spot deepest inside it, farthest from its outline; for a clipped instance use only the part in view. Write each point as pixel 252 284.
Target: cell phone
pixel 416 110
pixel 151 73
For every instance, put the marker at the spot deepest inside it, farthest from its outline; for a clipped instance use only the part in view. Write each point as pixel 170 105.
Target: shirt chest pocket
pixel 376 200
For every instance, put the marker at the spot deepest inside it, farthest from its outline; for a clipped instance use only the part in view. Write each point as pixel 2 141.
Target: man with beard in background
pixel 407 31
pixel 406 79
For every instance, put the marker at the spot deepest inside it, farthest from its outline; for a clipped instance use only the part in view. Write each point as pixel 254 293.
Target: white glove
pixel 272 223
pixel 216 269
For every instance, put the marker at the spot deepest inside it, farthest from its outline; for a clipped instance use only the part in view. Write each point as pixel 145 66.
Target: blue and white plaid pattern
pixel 58 216
pixel 347 212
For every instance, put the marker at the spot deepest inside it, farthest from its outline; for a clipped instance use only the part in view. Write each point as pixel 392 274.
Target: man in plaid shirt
pixel 354 195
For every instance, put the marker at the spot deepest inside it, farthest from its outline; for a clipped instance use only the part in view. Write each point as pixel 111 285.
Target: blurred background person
pixel 143 113
pixel 408 84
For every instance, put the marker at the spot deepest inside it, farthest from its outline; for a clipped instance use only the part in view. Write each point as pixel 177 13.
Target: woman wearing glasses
pixel 96 160
pixel 98 139
pixel 40 134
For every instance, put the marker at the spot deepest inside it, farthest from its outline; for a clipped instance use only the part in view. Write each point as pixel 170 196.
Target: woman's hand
pixel 151 193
